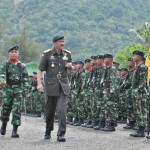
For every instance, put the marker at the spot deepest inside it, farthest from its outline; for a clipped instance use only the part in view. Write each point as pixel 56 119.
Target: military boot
pixel 84 124
pixel 78 123
pixel 14 132
pixel 139 132
pixel 110 126
pixel 69 119
pixel 130 125
pixel 3 128
pixel 47 134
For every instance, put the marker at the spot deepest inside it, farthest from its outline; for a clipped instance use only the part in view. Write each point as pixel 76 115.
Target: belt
pixel 58 76
pixel 14 83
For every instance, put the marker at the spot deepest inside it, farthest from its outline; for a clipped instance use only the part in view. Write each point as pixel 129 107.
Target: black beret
pixel 124 69
pixel 74 63
pixel 116 63
pixel 87 61
pixel 130 59
pixel 108 56
pixel 93 57
pixel 140 53
pixel 34 72
pixel 100 56
pixel 30 76
pixel 57 38
pixel 80 62
pixel 15 47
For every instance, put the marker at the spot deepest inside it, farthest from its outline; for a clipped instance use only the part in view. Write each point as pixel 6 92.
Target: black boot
pixel 3 128
pixel 84 124
pixel 130 125
pixel 139 132
pixel 14 132
pixel 94 123
pixel 110 126
pixel 61 138
pixel 69 119
pixel 78 123
pixel 47 134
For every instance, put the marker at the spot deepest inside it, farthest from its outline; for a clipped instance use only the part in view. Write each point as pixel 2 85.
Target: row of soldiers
pixel 102 94
pixel 34 101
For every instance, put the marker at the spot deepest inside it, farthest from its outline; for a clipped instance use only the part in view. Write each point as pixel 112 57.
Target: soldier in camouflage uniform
pixel 79 102
pixel 139 93
pixel 100 106
pixel 122 114
pixel 128 96
pixel 15 79
pixel 91 97
pixel 110 85
pixel 86 91
pixel 70 98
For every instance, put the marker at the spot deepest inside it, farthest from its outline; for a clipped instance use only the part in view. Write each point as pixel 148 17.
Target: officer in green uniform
pixel 55 62
pixel 15 81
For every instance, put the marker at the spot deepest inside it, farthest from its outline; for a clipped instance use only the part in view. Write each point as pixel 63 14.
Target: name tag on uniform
pixel 52 57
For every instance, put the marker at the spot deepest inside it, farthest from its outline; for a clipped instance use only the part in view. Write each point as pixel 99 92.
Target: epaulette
pixel 67 51
pixel 47 50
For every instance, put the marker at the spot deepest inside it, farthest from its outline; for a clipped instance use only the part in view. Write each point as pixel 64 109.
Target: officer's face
pixel 59 44
pixel 14 54
pixel 116 66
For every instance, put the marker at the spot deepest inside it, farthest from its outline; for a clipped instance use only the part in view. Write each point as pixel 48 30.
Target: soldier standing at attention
pixel 139 93
pixel 55 62
pixel 14 79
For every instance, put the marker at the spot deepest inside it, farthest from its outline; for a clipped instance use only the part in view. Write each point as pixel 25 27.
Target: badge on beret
pixel 65 58
pixel 52 65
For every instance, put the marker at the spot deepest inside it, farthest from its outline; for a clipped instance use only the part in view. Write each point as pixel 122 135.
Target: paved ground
pixel 78 138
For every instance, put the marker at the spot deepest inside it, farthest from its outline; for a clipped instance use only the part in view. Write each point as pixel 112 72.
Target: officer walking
pixel 55 62
pixel 14 79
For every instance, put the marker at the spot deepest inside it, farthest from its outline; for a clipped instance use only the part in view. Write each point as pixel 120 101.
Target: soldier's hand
pixel 40 87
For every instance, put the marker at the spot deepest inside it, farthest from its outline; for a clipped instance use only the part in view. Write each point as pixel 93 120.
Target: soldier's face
pixel 93 62
pixel 123 73
pixel 131 63
pixel 87 65
pixel 108 60
pixel 14 54
pixel 99 61
pixel 136 58
pixel 59 44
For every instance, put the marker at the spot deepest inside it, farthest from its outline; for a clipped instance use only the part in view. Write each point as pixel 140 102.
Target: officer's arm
pixel 39 81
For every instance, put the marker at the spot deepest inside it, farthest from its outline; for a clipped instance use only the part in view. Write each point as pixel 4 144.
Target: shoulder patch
pixel 67 51
pixel 46 51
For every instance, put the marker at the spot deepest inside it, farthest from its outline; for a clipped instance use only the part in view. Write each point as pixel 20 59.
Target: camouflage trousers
pixel 110 106
pixel 12 102
pixel 129 103
pixel 140 106
pixel 38 98
pixel 122 105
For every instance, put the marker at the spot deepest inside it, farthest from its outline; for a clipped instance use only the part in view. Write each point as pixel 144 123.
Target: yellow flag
pixel 148 65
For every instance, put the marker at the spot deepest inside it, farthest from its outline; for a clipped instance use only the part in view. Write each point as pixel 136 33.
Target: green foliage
pixel 91 27
pixel 123 55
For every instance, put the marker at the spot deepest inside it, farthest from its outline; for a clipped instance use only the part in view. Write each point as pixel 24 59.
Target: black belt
pixel 58 76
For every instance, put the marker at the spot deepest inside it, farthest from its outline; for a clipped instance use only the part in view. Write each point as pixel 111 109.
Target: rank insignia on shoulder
pixel 46 51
